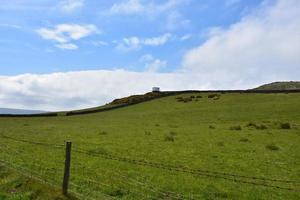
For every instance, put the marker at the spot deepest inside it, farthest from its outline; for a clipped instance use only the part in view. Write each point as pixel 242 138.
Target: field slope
pixel 189 146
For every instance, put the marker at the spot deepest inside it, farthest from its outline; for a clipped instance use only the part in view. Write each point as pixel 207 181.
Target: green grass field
pixel 234 147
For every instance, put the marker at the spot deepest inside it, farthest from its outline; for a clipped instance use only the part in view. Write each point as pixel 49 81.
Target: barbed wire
pixel 197 172
pixel 128 182
pixel 30 174
pixel 147 186
pixel 149 162
pixel 32 142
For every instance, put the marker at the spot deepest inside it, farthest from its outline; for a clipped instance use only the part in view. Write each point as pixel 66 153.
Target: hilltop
pixel 289 85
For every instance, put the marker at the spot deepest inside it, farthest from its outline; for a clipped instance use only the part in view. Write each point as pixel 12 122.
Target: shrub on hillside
pixel 102 133
pixel 147 133
pixel 244 140
pixel 272 147
pixel 259 127
pixel 199 97
pixel 117 193
pixel 211 127
pixel 188 99
pixel 169 138
pixel 136 98
pixel 214 96
pixel 220 144
pixel 251 124
pixel 285 125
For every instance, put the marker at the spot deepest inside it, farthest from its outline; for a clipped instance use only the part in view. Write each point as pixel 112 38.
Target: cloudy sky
pixel 70 54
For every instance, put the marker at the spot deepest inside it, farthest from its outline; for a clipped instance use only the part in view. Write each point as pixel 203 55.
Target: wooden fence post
pixel 67 168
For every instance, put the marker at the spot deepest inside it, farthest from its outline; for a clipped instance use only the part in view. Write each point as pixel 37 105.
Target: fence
pixel 92 184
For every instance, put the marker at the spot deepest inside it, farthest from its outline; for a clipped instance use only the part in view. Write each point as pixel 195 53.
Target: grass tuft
pixel 173 133
pixel 211 193
pixel 272 147
pixel 258 127
pixel 169 138
pixel 212 127
pixel 244 140
pixel 102 133
pixel 220 144
pixel 147 133
pixel 235 128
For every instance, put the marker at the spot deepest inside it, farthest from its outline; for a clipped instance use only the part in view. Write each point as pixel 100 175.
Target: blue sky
pixel 71 54
pixel 187 22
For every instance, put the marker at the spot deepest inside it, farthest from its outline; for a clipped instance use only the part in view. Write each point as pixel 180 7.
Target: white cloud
pixel 64 33
pixel 263 46
pixel 10 26
pixel 152 64
pixel 129 7
pixel 155 65
pixel 68 46
pixel 100 43
pixel 130 43
pixel 176 21
pixel 71 5
pixel 133 43
pixel 229 3
pixel 146 58
pixel 185 37
pixel 74 90
pixel 157 41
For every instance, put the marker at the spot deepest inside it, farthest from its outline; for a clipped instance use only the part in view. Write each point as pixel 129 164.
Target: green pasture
pixel 246 146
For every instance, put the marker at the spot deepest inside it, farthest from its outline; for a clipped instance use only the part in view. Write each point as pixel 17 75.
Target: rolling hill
pixel 291 85
pixel 184 146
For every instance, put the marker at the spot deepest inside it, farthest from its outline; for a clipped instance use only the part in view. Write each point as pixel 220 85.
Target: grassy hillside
pixel 291 85
pixel 232 146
